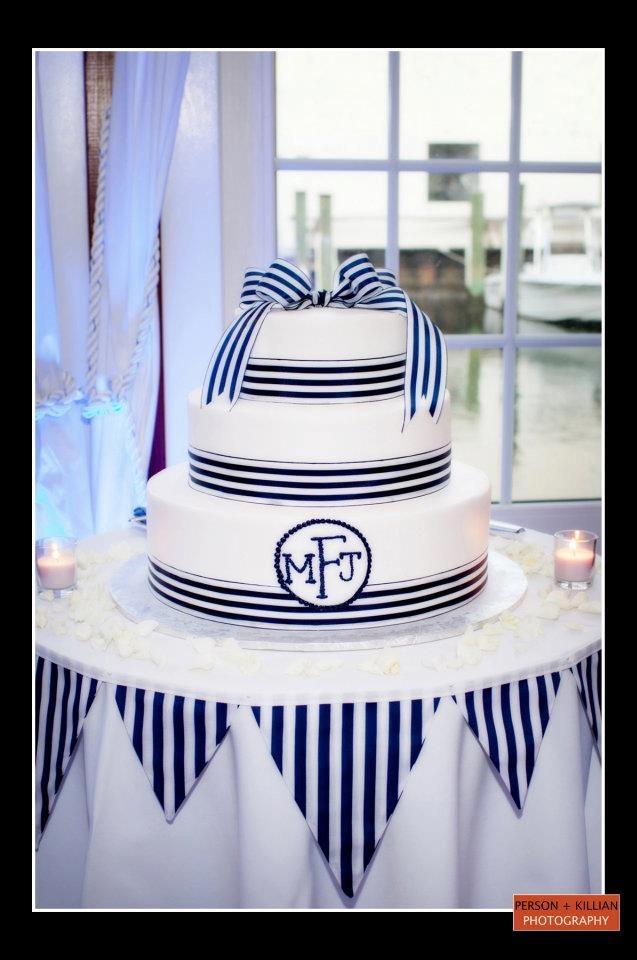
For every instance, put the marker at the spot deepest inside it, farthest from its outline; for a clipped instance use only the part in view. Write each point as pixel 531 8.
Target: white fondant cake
pixel 314 503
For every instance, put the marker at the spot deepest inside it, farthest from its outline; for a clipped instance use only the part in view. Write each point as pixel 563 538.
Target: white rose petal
pixel 381 664
pixel 204 647
pixel 469 655
pixel 308 667
pixel 572 625
pixel 488 644
pixel 83 631
pixel 454 663
pixel 144 627
pixel 111 628
pixel 250 664
pixel 47 595
pixel 499 543
pixel 469 637
pixel 509 620
pixel 141 647
pixel 492 629
pixel 99 643
pixel 41 619
pixel 590 606
pixel 577 598
pixel 124 645
pixel 546 611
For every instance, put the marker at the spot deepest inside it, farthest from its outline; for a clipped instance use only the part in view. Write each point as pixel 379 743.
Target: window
pixel 476 177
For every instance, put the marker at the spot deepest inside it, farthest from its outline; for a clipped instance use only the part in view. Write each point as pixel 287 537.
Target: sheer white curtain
pixel 63 495
pixel 97 347
pixel 123 347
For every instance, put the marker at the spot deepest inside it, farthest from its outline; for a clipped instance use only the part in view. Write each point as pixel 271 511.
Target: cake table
pixel 184 773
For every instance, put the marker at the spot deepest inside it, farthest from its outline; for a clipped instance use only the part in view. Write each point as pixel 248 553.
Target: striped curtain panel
pixel 509 722
pixel 346 766
pixel 174 738
pixel 588 676
pixel 63 699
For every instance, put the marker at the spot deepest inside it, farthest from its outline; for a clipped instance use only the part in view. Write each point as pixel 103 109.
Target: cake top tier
pixel 326 333
pixel 284 287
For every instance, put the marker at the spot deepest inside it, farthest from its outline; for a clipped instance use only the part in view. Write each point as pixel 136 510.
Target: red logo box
pixel 533 912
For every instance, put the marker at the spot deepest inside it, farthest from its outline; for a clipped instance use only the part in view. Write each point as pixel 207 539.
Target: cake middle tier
pixel 311 568
pixel 310 454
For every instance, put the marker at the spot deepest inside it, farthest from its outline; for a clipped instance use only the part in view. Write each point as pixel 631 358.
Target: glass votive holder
pixel 574 558
pixel 55 564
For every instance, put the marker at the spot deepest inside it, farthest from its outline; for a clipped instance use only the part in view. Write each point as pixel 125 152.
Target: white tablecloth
pixel 455 839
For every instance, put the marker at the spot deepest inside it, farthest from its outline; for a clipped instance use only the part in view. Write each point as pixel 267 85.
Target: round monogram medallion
pixel 323 563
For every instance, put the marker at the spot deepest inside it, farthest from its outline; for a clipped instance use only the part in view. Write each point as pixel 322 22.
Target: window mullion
pixel 511 288
pixel 391 253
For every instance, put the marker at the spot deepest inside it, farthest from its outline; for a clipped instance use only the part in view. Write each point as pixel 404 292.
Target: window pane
pixel 325 217
pixel 562 105
pixel 559 287
pixel 474 379
pixel 332 103
pixel 557 424
pixel 452 234
pixel 454 103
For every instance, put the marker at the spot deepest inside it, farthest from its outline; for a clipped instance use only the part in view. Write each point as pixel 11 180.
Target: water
pixel 557 451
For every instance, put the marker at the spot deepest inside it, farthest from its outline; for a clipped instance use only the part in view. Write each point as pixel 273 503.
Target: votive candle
pixel 55 563
pixel 574 558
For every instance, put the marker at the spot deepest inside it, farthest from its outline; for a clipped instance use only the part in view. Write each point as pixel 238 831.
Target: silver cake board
pixel 506 587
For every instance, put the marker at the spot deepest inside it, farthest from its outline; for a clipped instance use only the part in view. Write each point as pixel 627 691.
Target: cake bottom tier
pixel 297 568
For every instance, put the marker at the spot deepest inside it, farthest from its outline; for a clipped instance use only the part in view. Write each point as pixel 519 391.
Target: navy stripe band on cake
pixel 328 381
pixel 270 606
pixel 369 481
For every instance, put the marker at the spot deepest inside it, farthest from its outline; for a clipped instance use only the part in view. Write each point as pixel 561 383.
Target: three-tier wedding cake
pixel 320 491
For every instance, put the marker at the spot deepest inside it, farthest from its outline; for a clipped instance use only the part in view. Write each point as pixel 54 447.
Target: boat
pixel 563 280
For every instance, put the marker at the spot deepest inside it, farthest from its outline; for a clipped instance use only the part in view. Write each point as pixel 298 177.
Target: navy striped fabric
pixel 63 699
pixel 174 737
pixel 356 284
pixel 346 765
pixel 365 481
pixel 509 722
pixel 588 676
pixel 321 381
pixel 267 606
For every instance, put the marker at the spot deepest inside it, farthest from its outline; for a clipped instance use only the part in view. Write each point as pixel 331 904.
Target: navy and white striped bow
pixel 356 284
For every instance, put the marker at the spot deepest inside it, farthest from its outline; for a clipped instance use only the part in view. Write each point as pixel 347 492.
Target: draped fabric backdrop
pixel 95 424
pixel 63 494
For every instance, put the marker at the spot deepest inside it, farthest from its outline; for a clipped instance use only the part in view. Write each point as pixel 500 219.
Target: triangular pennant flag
pixel 63 699
pixel 346 765
pixel 588 676
pixel 174 738
pixel 509 722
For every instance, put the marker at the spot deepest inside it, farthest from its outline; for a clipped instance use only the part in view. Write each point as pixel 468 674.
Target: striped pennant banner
pixel 509 722
pixel 346 767
pixel 174 738
pixel 588 676
pixel 356 284
pixel 63 699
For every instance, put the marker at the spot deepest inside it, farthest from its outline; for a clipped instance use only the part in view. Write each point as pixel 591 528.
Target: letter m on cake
pixel 290 566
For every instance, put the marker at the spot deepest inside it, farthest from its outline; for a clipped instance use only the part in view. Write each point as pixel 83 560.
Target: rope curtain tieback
pixel 55 399
pixel 115 397
pixel 356 284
